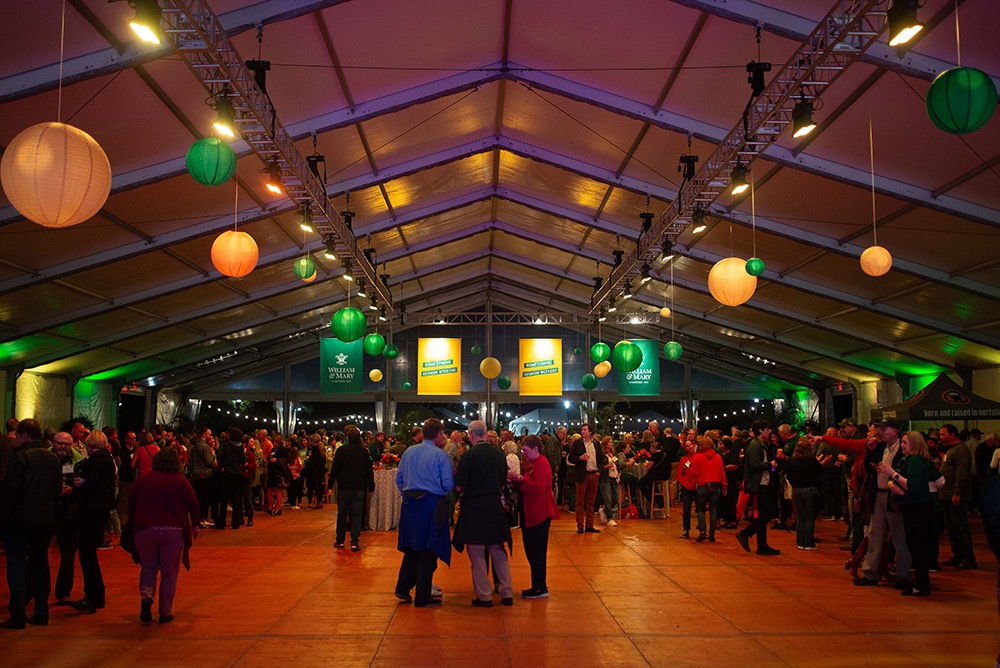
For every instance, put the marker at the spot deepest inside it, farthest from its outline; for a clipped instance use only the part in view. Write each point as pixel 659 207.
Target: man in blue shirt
pixel 424 478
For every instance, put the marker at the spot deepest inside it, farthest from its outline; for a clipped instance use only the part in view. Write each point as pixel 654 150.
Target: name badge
pixel 67 469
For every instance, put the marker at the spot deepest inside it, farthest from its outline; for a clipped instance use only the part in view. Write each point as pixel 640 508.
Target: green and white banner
pixel 644 381
pixel 340 366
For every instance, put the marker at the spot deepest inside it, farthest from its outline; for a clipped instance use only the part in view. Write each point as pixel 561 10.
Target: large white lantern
pixel 55 175
pixel 729 282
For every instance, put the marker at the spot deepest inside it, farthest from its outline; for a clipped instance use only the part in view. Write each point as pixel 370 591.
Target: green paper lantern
pixel 476 350
pixel 390 352
pixel 626 356
pixel 348 324
pixel 577 351
pixel 755 266
pixel 961 100
pixel 589 381
pixel 503 382
pixel 600 352
pixel 374 344
pixel 672 350
pixel 407 385
pixel 305 269
pixel 211 161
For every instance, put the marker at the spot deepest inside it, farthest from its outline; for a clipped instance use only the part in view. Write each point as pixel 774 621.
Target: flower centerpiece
pixel 389 461
pixel 642 456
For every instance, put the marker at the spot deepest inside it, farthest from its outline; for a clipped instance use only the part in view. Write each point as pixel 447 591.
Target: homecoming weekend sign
pixel 540 367
pixel 644 381
pixel 340 366
pixel 439 367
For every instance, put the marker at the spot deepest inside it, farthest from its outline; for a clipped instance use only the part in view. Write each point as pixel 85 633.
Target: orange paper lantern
pixel 55 175
pixel 729 282
pixel 234 253
pixel 876 261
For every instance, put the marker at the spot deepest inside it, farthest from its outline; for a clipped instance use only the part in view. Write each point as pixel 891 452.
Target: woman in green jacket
pixel 911 487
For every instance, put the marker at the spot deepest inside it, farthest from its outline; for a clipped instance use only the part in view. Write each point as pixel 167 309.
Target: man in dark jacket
pixel 231 458
pixel 956 497
pixel 759 477
pixel 482 525
pixel 352 471
pixel 27 511
pixel 588 460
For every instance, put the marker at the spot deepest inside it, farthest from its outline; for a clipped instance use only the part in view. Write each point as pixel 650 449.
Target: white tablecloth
pixel 385 502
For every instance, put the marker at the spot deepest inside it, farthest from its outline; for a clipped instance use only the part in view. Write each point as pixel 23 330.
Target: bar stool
pixel 659 491
pixel 624 498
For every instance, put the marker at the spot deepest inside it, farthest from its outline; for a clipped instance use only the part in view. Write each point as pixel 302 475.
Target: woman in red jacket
pixel 688 478
pixel 165 522
pixel 539 507
pixel 710 480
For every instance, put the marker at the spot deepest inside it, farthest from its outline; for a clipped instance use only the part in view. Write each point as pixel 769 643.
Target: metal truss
pixel 200 39
pixel 838 40
pixel 534 317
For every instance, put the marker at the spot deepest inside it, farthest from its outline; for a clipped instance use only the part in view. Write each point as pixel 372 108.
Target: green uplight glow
pixel 952 346
pixel 920 382
pixel 139 369
pixel 21 349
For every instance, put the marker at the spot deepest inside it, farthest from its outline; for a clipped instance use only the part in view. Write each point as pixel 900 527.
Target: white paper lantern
pixel 729 282
pixel 55 175
pixel 876 261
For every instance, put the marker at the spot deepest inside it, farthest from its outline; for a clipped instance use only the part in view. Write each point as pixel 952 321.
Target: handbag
pixel 127 539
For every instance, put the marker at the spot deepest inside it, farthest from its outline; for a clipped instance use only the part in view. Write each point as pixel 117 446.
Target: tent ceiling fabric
pixel 499 151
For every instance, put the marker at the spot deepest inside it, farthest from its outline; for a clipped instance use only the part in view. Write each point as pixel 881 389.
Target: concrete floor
pixel 280 594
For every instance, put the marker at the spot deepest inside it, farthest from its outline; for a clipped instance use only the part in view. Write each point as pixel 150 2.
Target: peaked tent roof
pixel 497 152
pixel 942 400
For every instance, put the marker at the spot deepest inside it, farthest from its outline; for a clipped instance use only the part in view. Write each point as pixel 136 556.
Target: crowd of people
pixel 895 492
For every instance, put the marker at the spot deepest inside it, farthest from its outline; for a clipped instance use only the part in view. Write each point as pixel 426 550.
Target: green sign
pixel 644 381
pixel 340 366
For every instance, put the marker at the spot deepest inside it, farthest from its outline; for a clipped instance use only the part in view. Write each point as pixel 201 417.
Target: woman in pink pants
pixel 165 521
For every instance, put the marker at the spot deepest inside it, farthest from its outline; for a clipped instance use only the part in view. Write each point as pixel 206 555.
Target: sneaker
pixel 810 547
pixel 604 516
pixel 436 592
pixel 934 568
pixel 535 593
pixel 405 598
pixel 355 547
pixel 685 534
pixel 339 543
pixel 702 537
pixel 476 603
pixel 612 523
